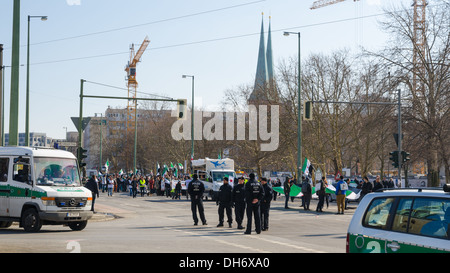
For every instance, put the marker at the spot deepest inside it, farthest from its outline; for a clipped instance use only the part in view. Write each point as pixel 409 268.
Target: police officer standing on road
pixel 254 192
pixel 195 190
pixel 238 199
pixel 265 204
pixel 224 202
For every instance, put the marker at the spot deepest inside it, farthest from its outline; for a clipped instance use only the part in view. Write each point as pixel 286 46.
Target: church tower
pixel 264 90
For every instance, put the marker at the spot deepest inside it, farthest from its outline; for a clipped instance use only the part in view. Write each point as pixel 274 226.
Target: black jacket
pixel 253 190
pixel 92 186
pixel 225 194
pixel 238 194
pixel 268 193
pixel 196 189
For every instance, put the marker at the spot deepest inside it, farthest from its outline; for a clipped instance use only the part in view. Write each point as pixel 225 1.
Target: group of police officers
pixel 252 197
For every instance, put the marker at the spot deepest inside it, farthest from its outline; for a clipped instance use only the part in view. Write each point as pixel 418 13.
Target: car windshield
pixel 218 176
pixel 56 172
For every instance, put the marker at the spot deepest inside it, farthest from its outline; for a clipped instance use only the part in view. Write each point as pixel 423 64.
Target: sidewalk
pixel 106 213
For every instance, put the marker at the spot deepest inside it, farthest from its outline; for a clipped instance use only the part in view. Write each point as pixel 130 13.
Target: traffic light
pixel 394 158
pixel 405 156
pixel 81 154
pixel 182 108
pixel 307 108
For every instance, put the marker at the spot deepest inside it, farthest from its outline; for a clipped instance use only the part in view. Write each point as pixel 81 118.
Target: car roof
pixel 428 192
pixel 35 151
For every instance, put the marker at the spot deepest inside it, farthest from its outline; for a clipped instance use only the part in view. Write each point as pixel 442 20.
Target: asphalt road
pixel 156 224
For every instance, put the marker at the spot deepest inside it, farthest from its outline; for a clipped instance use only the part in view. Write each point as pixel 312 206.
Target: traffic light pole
pixel 82 96
pixel 399 125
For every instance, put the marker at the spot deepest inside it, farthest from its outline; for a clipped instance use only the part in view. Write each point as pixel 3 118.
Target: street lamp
pixel 101 139
pixel 299 103
pixel 27 108
pixel 192 121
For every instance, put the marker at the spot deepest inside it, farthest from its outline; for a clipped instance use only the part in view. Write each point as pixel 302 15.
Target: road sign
pixel 67 144
pixel 84 123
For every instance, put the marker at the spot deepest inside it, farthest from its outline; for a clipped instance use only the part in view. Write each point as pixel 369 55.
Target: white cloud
pixel 73 2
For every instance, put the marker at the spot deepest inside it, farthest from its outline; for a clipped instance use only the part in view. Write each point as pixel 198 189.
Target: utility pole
pixel 399 126
pixel 14 98
pixel 1 95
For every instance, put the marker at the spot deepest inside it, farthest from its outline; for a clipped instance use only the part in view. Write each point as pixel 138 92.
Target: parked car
pixel 401 221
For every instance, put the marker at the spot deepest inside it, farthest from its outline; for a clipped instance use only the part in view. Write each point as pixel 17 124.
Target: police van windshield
pixel 218 176
pixel 56 172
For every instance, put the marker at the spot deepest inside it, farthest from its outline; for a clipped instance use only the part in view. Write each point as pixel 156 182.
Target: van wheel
pixel 5 224
pixel 77 226
pixel 31 221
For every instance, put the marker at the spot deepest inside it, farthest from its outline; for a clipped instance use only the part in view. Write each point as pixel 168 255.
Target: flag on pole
pixel 165 169
pixel 306 165
pixel 107 165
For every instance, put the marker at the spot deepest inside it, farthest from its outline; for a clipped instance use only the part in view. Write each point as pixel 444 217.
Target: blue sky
pixel 216 41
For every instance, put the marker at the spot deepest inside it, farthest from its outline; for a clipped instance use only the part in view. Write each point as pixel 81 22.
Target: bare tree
pixel 428 106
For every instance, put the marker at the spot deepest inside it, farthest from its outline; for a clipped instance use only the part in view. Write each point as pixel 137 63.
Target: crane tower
pixel 132 84
pixel 323 3
pixel 419 47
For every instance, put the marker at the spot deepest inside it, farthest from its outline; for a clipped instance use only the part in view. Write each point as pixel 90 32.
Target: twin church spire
pixel 264 88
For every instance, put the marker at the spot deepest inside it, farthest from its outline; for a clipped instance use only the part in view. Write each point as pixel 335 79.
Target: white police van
pixel 41 186
pixel 401 221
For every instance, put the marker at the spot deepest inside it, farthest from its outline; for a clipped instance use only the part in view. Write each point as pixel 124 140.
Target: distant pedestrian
pixel 142 186
pixel 265 204
pixel 366 187
pixel 307 192
pixel 134 185
pixel 320 191
pixel 341 188
pixel 178 190
pixel 238 199
pixel 110 182
pixel 196 189
pixel 377 185
pixel 92 185
pixel 104 184
pixel 287 190
pixel 254 192
pixel 224 199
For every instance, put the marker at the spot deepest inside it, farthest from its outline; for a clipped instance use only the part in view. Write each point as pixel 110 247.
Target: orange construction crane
pixel 323 3
pixel 132 83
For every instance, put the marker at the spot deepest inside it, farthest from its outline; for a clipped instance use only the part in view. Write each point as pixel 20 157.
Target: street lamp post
pixel 27 108
pixel 101 139
pixel 299 105
pixel 192 121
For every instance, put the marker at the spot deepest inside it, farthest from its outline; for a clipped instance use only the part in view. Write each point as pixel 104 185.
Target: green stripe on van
pixel 17 192
pixel 366 244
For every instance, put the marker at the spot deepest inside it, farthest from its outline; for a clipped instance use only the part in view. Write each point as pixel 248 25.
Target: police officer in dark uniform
pixel 238 199
pixel 195 190
pixel 254 193
pixel 265 204
pixel 224 202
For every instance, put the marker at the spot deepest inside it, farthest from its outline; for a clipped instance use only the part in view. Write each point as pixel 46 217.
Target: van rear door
pixel 4 186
